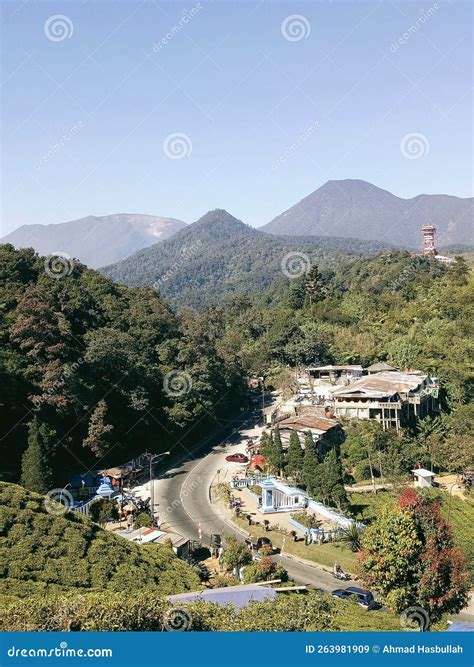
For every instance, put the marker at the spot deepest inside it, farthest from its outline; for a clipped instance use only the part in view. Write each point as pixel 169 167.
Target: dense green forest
pixel 92 373
pixel 218 257
pixel 412 311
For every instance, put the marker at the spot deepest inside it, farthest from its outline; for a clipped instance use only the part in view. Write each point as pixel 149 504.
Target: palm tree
pixel 351 536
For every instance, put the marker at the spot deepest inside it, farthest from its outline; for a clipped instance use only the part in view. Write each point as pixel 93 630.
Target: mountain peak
pixel 355 208
pixel 96 240
pixel 221 225
pixel 217 215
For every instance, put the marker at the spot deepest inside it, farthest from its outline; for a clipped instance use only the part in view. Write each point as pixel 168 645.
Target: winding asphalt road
pixel 182 496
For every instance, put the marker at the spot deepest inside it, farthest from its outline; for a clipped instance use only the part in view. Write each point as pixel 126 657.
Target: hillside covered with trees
pixel 219 256
pixel 93 373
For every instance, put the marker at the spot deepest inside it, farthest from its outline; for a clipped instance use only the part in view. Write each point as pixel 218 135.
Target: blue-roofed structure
pixel 461 626
pixel 239 596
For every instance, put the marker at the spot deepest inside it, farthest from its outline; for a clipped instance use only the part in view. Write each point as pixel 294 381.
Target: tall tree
pixel 310 465
pixel 97 440
pixel 266 444
pixel 35 469
pixel 314 288
pixel 329 480
pixel 277 455
pixel 294 457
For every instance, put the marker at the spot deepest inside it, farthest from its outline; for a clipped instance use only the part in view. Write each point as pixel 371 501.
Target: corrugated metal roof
pixel 305 422
pixel 386 383
pixel 381 366
pixel 330 367
pixel 239 596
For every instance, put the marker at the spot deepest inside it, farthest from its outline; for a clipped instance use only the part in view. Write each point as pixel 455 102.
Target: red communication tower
pixel 429 240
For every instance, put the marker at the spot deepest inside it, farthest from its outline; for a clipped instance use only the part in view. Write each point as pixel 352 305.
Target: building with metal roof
pixel 389 397
pixel 318 426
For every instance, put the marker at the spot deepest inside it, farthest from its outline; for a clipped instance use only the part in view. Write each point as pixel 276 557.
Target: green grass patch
pixel 321 554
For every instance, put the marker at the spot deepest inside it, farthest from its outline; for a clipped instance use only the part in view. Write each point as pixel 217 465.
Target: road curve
pixel 182 496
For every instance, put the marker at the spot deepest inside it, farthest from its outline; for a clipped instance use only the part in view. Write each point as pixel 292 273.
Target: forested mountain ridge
pixel 353 207
pixel 219 256
pixel 96 240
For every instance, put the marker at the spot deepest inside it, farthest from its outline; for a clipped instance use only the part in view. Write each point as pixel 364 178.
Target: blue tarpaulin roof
pixel 239 596
pixel 465 626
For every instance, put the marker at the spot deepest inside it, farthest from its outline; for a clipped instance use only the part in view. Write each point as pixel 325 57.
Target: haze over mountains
pixel 96 241
pixel 218 256
pixel 357 209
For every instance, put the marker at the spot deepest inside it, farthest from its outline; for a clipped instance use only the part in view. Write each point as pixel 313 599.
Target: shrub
pixel 143 520
pixel 265 550
pixel 147 612
pixel 41 553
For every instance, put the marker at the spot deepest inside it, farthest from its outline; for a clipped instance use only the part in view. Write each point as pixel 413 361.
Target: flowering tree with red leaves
pixel 408 556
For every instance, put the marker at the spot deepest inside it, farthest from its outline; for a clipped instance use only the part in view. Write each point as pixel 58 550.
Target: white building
pixel 423 478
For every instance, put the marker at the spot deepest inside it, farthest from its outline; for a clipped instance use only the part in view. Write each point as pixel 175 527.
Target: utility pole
pixel 152 458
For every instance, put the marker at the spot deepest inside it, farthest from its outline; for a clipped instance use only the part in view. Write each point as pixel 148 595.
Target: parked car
pixel 237 458
pixel 364 598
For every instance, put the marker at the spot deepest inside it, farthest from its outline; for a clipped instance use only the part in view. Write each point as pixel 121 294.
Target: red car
pixel 237 458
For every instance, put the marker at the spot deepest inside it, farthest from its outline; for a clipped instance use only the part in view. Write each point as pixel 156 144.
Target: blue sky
pixel 267 106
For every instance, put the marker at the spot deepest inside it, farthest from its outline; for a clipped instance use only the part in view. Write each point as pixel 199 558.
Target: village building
pixel 335 374
pixel 423 478
pixel 321 428
pixel 279 497
pixel 392 398
pixel 379 367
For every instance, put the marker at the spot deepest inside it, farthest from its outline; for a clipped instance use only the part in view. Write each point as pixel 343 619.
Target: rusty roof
pixel 386 383
pixel 305 422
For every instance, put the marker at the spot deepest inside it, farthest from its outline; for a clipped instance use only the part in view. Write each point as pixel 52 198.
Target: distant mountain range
pixel 218 256
pixel 347 209
pixel 96 241
pixel 357 209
